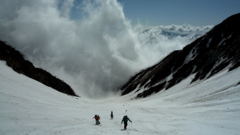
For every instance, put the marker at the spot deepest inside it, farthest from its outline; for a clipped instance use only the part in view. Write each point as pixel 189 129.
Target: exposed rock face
pixel 16 61
pixel 206 56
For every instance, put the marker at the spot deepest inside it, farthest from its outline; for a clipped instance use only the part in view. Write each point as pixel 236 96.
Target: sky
pixel 165 12
pixel 194 12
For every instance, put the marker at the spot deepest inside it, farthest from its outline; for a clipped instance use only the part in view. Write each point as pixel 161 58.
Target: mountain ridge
pixel 15 60
pixel 204 57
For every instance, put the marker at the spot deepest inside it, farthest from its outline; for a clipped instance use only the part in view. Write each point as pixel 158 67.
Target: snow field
pixel 204 108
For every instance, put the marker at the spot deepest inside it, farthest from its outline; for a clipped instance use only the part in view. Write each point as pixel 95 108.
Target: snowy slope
pixel 208 108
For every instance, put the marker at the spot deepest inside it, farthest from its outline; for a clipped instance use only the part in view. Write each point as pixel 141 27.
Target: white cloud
pixel 95 54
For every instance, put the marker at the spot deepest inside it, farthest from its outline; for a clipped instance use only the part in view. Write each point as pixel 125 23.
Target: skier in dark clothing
pixel 97 119
pixel 125 120
pixel 111 115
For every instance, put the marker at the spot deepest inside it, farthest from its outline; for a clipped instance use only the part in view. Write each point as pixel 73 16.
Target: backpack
pixel 97 117
pixel 125 118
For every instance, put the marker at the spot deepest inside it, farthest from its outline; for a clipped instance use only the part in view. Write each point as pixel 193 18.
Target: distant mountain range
pixel 155 34
pixel 213 52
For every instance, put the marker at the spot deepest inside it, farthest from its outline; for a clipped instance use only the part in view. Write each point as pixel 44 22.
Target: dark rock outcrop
pixel 16 61
pixel 217 50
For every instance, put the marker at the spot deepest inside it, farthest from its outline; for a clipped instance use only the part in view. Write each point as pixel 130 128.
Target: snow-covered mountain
pixel 155 34
pixel 215 51
pixel 15 60
pixel 30 108
pixel 156 42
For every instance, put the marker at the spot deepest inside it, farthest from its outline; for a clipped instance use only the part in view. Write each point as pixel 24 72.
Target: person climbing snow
pixel 97 119
pixel 125 120
pixel 111 115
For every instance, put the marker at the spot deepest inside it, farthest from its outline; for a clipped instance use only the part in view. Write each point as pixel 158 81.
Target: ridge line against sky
pixel 165 12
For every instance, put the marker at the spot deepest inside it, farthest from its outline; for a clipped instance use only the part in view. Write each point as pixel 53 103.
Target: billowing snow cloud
pixel 95 53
